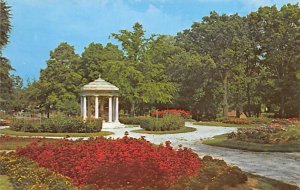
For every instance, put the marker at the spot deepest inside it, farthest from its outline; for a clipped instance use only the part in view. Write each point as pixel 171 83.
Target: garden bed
pixel 276 137
pixel 125 163
pixel 223 141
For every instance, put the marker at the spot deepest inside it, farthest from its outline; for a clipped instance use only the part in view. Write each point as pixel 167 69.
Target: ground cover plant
pixel 24 173
pixel 115 163
pixel 57 124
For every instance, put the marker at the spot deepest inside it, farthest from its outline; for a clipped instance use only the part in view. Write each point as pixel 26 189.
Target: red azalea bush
pixel 162 113
pixel 108 163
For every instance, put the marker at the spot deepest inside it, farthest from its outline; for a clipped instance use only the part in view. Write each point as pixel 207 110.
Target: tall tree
pixel 278 32
pixel 218 36
pixel 59 82
pixel 5 26
pixel 6 80
pixel 93 58
pixel 148 83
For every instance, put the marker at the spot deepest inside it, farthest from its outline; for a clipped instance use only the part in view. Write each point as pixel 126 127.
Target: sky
pixel 39 26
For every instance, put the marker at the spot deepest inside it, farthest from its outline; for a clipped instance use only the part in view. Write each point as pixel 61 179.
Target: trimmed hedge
pixel 26 174
pixel 58 124
pixel 167 123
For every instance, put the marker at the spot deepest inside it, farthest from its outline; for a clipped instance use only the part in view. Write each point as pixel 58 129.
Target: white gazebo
pixel 104 95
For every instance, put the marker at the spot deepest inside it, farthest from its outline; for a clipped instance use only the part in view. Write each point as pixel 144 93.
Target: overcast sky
pixel 40 25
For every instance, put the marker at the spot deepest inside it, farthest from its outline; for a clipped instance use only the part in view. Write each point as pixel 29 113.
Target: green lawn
pixel 4 183
pixel 220 124
pixel 20 133
pixel 181 130
pixel 14 142
pixel 222 141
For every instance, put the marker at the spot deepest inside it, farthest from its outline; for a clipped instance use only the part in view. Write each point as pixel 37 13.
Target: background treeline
pixel 222 63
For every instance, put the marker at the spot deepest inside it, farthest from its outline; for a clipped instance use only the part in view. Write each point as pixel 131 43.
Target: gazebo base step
pixel 112 125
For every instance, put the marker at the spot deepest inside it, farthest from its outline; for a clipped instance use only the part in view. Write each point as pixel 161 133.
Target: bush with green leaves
pixel 58 124
pixel 134 120
pixel 167 123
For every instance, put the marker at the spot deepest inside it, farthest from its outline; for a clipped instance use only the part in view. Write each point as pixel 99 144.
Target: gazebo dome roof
pixel 99 85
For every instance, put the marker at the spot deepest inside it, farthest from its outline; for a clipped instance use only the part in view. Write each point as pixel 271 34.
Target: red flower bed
pixel 162 113
pixel 115 163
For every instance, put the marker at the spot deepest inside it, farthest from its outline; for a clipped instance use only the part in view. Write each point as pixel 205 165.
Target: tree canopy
pixel 222 63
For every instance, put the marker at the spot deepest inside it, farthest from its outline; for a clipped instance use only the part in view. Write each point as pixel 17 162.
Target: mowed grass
pixel 222 141
pixel 181 130
pixel 4 183
pixel 14 142
pixel 21 133
pixel 220 124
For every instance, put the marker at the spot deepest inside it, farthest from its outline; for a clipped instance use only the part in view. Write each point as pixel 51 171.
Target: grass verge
pixel 222 141
pixel 220 124
pixel 265 183
pixel 181 130
pixel 14 142
pixel 4 183
pixel 20 133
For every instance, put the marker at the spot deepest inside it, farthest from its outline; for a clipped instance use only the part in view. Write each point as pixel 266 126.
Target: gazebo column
pixel 96 107
pixel 84 107
pixel 81 106
pixel 117 109
pixel 102 107
pixel 110 109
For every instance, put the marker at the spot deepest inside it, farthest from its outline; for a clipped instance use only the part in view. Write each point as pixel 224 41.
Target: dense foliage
pixel 10 85
pixel 166 123
pixel 221 63
pixel 26 174
pixel 57 124
pixel 115 163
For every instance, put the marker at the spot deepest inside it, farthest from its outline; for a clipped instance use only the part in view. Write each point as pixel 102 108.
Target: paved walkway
pixel 281 166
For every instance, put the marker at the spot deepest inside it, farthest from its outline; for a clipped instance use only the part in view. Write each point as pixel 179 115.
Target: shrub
pixel 117 163
pixel 58 124
pixel 175 112
pixel 167 123
pixel 133 120
pixel 26 174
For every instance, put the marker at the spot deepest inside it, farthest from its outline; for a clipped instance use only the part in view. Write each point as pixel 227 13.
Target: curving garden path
pixel 281 166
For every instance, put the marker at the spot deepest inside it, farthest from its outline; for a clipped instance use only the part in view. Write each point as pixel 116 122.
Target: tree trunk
pixel 225 96
pixel 248 101
pixel 132 110
pixel 282 105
